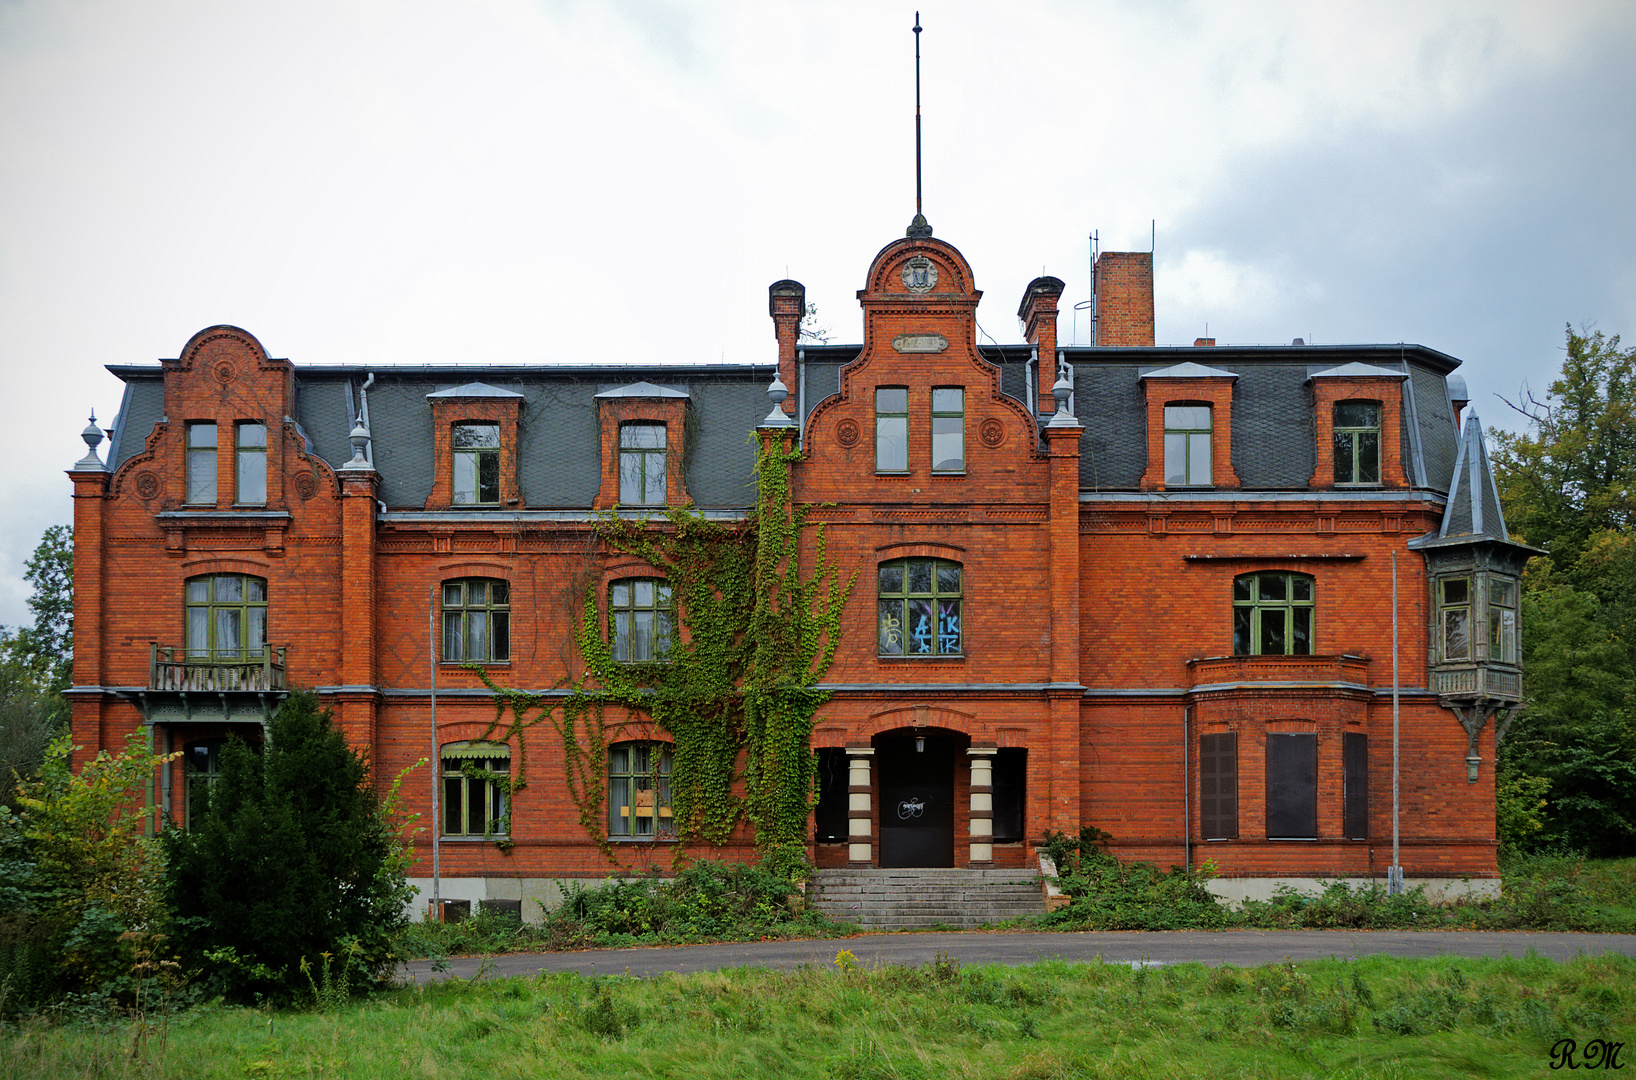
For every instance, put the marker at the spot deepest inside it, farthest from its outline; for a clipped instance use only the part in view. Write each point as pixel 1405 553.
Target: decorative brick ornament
pixel 305 486
pixel 846 433
pixel 225 372
pixel 992 432
pixel 147 485
pixel 920 274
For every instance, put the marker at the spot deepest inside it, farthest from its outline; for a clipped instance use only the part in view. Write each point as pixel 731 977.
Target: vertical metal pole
pixel 1187 791
pixel 1394 883
pixel 437 756
pixel 918 210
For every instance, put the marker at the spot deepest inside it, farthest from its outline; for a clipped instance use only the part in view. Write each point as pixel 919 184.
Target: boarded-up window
pixel 1355 784
pixel 1292 787
pixel 829 819
pixel 1218 786
pixel 1010 779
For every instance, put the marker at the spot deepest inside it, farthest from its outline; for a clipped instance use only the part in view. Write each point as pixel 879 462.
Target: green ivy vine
pixel 737 684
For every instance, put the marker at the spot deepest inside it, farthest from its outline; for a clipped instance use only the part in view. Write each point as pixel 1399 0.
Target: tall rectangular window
pixel 476 620
pixel 1357 442
pixel 642 453
pixel 250 465
pixel 1187 445
pixel 226 617
pixel 639 791
pixel 919 607
pixel 201 463
pixel 1502 620
pixel 475 776
pixel 829 817
pixel 1355 785
pixel 1010 793
pixel 948 429
pixel 640 610
pixel 1292 787
pixel 1218 786
pixel 891 429
pixel 477 464
pixel 1454 617
pixel 1272 615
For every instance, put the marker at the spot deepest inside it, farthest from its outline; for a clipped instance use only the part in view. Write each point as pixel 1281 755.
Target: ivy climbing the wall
pixel 735 688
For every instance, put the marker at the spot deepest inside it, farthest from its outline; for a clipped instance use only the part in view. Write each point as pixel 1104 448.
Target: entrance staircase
pixel 922 898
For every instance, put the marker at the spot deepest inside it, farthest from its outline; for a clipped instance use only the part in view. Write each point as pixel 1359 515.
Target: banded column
pixel 982 804
pixel 859 807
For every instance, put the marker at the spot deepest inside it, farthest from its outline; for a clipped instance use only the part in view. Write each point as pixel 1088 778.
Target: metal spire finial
pixel 918 227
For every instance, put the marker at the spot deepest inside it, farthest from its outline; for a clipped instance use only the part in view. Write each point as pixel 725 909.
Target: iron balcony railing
pixel 251 672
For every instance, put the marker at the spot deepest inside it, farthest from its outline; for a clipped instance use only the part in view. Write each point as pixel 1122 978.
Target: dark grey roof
pixel 1474 502
pixel 473 390
pixel 143 407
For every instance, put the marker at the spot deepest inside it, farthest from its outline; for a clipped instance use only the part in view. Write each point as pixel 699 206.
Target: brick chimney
pixel 1038 313
pixel 1124 298
pixel 787 304
pixel 1202 342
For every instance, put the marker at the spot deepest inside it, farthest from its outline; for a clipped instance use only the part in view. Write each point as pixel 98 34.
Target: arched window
pixel 920 607
pixel 476 620
pixel 639 791
pixel 639 615
pixel 1272 614
pixel 1357 442
pixel 474 789
pixel 226 617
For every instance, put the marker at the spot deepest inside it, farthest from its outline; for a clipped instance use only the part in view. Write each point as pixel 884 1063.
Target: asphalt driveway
pixel 1241 948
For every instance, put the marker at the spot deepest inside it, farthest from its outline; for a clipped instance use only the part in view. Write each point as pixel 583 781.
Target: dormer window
pixel 476 449
pixel 1187 445
pixel 1357 442
pixel 642 458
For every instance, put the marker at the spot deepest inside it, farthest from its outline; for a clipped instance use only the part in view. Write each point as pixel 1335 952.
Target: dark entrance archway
pixel 916 816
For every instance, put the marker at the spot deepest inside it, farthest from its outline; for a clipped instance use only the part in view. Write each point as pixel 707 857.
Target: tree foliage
pixel 1568 484
pixel 290 860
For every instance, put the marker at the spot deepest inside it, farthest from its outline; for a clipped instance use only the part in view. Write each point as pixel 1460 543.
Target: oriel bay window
pixel 891 429
pixel 226 617
pixel 1187 445
pixel 639 611
pixel 919 607
pixel 1272 615
pixel 1357 442
pixel 476 620
pixel 250 464
pixel 476 776
pixel 476 449
pixel 642 452
pixel 639 791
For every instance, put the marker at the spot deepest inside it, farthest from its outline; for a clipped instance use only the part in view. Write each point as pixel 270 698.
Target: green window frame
pixel 1454 599
pixel 226 617
pixel 1187 444
pixel 476 776
pixel 250 463
pixel 1357 442
pixel 948 429
pixel 642 461
pixel 891 429
pixel 640 614
pixel 201 769
pixel 476 464
pixel 639 805
pixel 920 604
pixel 476 621
pixel 201 463
pixel 1273 614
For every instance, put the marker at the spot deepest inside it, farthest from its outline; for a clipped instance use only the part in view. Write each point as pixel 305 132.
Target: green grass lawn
pixel 1370 1017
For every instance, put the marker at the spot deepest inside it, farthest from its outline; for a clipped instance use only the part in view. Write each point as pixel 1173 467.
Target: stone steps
pixel 910 899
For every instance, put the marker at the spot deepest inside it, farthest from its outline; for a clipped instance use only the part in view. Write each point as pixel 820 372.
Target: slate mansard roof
pixel 1274 436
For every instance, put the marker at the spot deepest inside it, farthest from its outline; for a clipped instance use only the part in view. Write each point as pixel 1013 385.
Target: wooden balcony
pixel 173 670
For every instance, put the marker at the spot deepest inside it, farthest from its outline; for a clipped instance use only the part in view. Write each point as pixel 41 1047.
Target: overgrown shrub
pixel 290 859
pixel 1107 894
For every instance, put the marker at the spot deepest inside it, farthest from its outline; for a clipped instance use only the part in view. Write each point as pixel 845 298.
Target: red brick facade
pixel 1094 629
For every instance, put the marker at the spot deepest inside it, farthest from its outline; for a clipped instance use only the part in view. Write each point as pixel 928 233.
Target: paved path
pixel 1241 948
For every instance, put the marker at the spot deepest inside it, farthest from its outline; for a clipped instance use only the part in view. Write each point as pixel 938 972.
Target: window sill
pixel 461 838
pixel 643 840
pixel 949 474
pixel 459 665
pixel 921 658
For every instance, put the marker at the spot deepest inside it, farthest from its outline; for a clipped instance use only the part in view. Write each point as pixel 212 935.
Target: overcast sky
pixel 408 182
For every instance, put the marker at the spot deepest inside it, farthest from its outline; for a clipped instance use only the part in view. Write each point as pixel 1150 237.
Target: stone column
pixel 982 804
pixel 859 810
